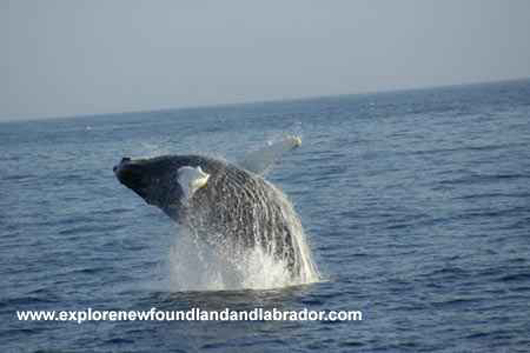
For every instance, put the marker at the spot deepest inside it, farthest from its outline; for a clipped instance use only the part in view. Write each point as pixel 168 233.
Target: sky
pixel 74 57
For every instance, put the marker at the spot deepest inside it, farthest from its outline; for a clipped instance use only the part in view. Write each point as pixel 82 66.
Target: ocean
pixel 415 205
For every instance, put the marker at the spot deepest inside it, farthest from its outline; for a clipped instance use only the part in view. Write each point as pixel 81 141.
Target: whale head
pixel 152 179
pixel 167 182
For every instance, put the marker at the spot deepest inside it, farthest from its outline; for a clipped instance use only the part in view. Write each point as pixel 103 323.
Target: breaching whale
pixel 224 203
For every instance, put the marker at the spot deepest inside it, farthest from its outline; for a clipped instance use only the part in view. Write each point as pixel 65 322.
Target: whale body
pixel 220 202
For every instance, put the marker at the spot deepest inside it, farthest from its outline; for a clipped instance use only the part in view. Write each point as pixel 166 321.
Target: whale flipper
pixel 261 160
pixel 191 179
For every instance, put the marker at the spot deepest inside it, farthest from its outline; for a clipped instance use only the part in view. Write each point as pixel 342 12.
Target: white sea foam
pixel 196 265
pixel 223 265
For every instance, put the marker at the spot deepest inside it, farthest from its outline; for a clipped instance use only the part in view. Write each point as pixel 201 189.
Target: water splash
pixel 199 265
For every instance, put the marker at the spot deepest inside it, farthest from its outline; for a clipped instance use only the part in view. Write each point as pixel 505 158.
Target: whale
pixel 223 203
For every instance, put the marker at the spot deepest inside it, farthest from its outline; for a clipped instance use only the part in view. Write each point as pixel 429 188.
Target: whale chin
pixel 131 175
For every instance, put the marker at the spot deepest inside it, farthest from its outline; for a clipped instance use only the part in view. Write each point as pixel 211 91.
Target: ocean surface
pixel 415 204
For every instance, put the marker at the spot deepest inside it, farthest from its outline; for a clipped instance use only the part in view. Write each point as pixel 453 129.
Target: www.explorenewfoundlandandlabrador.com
pixel 193 314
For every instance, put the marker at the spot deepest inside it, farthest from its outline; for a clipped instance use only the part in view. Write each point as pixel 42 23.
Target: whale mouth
pixel 131 175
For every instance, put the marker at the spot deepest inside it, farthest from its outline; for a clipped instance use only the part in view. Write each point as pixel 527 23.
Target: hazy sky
pixel 63 58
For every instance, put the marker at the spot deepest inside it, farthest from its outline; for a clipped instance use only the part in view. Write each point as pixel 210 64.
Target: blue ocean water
pixel 416 205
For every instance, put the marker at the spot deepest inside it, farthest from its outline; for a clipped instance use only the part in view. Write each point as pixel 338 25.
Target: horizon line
pixel 268 101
